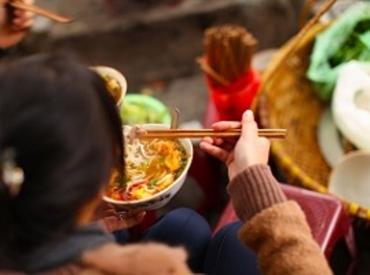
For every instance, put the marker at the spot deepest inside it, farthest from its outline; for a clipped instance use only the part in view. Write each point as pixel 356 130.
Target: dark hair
pixel 66 133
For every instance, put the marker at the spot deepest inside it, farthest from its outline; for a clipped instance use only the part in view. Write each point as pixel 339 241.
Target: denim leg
pixel 183 227
pixel 122 236
pixel 228 255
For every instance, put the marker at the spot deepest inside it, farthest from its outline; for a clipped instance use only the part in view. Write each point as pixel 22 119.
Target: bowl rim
pixel 150 101
pixel 100 69
pixel 184 172
pixel 352 204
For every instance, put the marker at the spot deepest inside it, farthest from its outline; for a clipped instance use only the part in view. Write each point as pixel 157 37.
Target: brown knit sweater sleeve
pixel 283 242
pixel 254 190
pixel 276 229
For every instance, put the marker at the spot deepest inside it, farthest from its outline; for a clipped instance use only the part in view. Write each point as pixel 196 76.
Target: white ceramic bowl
pixel 113 73
pixel 350 179
pixel 161 198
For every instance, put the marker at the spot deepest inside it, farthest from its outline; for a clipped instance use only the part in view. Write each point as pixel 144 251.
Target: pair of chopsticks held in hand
pixel 202 133
pixel 21 5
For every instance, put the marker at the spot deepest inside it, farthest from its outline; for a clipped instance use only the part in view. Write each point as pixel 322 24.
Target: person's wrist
pixel 236 172
pixel 239 169
pixel 253 190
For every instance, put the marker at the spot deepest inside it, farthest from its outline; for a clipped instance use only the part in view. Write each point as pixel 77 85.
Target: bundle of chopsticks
pixel 228 53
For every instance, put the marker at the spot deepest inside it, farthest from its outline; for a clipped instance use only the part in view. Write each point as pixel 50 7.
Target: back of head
pixel 61 123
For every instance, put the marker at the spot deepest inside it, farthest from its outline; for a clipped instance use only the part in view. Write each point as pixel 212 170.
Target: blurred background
pixel 155 43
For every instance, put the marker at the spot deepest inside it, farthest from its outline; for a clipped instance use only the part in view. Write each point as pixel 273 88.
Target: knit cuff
pixel 254 190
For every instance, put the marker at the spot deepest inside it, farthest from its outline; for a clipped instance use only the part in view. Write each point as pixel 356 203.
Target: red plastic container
pixel 325 216
pixel 231 101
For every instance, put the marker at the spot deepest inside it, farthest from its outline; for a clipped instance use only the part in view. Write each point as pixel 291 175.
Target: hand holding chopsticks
pixel 18 4
pixel 14 24
pixel 238 154
pixel 224 129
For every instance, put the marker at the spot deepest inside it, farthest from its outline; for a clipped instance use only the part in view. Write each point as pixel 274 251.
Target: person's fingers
pixel 214 151
pixel 231 141
pixel 109 212
pixel 25 24
pixel 218 141
pixel 112 223
pixel 208 140
pixel 120 221
pixel 104 210
pixel 228 146
pixel 249 129
pixel 23 14
pixel 224 125
pixel 18 13
pixel 21 21
pixel 130 221
pixel 131 214
pixel 19 25
pixel 264 143
pixel 28 24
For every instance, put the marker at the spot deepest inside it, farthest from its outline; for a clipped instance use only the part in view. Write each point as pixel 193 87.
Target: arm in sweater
pixel 276 229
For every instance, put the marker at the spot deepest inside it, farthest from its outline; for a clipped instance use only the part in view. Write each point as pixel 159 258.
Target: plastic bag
pixel 351 103
pixel 347 39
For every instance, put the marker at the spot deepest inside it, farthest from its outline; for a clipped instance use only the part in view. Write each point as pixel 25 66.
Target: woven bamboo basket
pixel 287 101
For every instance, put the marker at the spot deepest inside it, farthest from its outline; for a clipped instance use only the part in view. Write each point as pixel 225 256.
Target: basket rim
pixel 285 161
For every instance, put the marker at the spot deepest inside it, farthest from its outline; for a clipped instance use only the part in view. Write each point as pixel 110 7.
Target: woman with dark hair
pixel 60 139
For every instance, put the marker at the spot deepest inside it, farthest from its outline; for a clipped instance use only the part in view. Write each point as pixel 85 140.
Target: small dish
pixel 350 179
pixel 329 139
pixel 144 109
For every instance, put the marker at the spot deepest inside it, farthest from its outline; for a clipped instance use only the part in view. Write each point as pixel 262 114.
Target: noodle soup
pixel 151 167
pixel 115 82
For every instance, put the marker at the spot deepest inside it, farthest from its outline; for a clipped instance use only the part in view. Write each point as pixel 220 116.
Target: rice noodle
pixel 151 166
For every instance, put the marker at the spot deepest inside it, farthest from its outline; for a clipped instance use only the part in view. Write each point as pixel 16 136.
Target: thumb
pixel 249 126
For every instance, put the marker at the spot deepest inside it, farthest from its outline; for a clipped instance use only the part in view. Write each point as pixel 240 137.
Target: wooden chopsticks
pixel 40 11
pixel 228 53
pixel 187 133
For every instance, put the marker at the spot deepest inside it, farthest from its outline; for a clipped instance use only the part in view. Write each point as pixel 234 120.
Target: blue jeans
pixel 228 255
pixel 221 254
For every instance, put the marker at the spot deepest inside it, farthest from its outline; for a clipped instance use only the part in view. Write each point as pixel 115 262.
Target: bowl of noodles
pixel 155 170
pixel 115 82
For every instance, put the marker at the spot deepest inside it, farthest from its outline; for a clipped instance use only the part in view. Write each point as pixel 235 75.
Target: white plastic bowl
pixel 115 74
pixel 350 179
pixel 161 198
